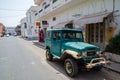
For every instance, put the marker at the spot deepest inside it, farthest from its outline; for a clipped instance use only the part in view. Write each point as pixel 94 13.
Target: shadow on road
pixel 58 65
pixel 82 74
pixel 38 45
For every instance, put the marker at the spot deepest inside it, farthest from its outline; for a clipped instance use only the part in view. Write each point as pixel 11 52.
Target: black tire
pixel 97 68
pixel 71 67
pixel 49 56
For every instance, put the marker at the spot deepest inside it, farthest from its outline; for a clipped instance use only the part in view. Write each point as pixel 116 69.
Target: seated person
pixel 56 37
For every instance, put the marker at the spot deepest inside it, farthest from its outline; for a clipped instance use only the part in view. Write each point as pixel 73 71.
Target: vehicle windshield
pixel 72 35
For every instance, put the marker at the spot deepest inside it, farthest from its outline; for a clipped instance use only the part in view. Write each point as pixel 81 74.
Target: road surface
pixel 24 60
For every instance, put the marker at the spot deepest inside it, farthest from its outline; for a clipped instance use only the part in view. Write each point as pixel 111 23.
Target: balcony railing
pixel 40 10
pixel 46 6
pixel 57 4
pixel 54 5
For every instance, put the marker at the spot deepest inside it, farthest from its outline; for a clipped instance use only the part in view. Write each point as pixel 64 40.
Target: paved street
pixel 23 60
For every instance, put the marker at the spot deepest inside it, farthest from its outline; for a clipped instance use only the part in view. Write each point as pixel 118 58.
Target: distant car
pixel 15 34
pixel 7 35
pixel 69 45
pixel 0 35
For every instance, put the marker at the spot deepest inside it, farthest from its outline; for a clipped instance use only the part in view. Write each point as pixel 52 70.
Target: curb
pixel 112 69
pixel 38 44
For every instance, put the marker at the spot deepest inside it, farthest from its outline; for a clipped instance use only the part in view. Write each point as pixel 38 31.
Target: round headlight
pixel 99 53
pixel 84 54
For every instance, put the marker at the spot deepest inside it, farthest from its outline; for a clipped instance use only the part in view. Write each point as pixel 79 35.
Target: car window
pixel 56 35
pixel 72 35
pixel 48 35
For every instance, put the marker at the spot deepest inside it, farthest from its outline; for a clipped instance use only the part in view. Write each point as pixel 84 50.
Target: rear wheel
pixel 71 67
pixel 49 56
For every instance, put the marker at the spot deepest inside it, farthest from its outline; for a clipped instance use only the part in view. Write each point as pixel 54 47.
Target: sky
pixel 12 11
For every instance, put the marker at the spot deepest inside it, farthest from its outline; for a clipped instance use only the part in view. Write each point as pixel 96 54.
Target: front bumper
pixel 97 62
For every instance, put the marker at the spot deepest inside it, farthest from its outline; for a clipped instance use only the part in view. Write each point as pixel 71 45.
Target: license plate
pixel 98 64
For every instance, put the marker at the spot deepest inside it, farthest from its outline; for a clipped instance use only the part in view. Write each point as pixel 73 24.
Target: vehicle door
pixel 56 43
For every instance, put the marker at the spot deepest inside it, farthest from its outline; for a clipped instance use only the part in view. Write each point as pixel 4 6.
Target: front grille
pixel 91 53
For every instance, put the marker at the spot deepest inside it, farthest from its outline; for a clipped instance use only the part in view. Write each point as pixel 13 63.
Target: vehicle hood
pixel 80 45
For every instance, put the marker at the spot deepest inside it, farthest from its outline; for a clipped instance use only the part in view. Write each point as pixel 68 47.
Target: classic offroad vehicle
pixel 69 45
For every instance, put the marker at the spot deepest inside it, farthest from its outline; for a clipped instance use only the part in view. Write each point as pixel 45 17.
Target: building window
pixel 69 25
pixel 44 22
pixel 56 36
pixel 48 35
pixel 25 25
pixel 54 18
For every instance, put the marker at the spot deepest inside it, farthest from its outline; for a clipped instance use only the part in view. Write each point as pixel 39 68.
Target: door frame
pixel 91 30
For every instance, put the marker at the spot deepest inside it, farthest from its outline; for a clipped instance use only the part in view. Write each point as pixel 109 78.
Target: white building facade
pixel 30 22
pixel 98 19
pixel 10 30
pixel 23 25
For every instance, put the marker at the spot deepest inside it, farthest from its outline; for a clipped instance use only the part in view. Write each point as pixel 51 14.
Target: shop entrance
pixel 95 34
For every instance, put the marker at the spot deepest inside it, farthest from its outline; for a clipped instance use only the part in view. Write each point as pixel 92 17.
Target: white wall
pixel 34 34
pixel 117 14
pixel 29 32
pixel 23 29
pixel 31 19
pixel 85 8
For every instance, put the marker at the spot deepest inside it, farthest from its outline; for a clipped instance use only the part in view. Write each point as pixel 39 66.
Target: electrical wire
pixel 11 9
pixel 12 16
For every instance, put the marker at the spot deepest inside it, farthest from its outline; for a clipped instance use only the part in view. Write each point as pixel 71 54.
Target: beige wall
pixel 1 28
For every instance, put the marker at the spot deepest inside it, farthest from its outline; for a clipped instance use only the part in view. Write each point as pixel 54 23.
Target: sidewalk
pixel 114 66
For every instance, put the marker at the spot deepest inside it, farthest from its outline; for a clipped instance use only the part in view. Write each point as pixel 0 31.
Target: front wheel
pixel 71 67
pixel 98 68
pixel 49 56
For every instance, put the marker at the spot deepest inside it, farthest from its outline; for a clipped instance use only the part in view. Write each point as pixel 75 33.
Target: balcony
pixel 57 3
pixel 66 3
pixel 54 1
pixel 47 9
pixel 61 5
pixel 57 6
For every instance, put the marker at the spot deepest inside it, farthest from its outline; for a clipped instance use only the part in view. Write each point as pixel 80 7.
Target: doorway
pixel 95 34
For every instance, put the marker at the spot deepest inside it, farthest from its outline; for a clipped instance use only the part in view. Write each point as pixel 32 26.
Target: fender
pixel 71 53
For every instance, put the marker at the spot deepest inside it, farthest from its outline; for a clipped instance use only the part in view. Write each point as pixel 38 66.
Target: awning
pixel 61 25
pixel 89 19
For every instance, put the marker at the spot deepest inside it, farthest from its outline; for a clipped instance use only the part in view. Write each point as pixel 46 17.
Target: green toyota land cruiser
pixel 69 45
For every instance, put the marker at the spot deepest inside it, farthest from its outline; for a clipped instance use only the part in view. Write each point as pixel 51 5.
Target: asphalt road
pixel 23 60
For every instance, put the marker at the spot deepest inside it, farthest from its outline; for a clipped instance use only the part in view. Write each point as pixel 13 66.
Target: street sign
pixel 38 23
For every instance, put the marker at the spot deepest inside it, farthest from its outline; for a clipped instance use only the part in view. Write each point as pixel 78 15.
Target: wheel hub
pixel 48 55
pixel 69 67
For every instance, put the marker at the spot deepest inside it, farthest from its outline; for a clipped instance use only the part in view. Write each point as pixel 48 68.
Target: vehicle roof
pixel 64 30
